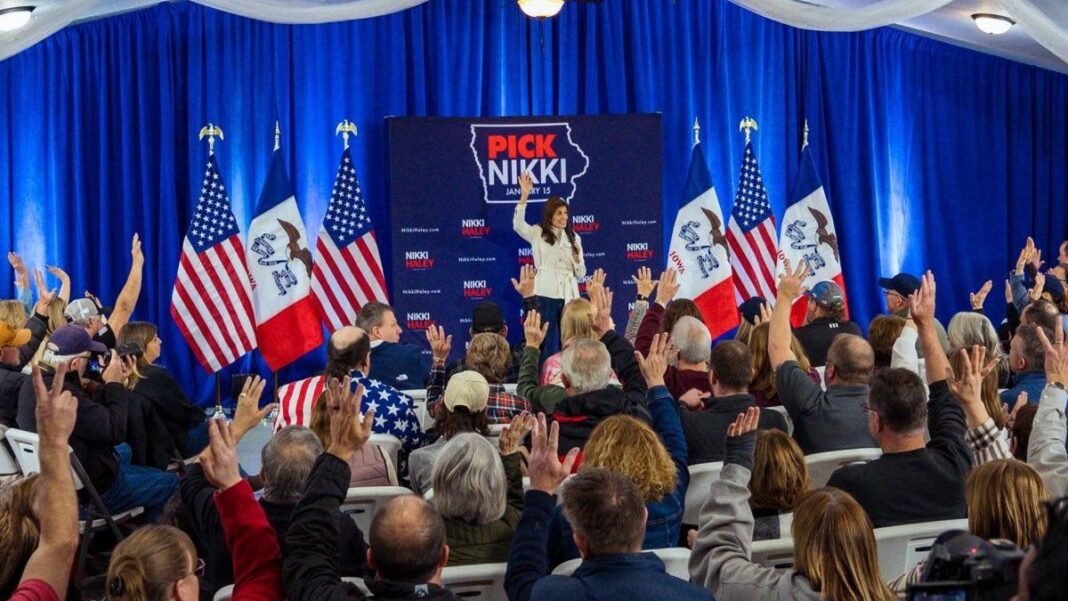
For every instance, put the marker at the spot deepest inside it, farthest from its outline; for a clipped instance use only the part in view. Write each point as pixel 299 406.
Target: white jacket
pixel 558 273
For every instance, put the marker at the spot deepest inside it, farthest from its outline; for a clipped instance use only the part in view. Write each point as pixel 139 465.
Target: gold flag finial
pixel 747 125
pixel 804 136
pixel 345 128
pixel 277 136
pixel 696 132
pixel 211 131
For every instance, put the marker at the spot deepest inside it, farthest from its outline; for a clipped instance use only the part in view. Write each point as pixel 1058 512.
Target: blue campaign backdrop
pixel 932 156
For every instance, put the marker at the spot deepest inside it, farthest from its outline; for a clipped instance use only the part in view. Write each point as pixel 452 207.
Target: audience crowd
pixel 541 458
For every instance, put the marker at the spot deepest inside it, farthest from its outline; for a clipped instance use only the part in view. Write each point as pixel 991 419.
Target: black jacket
pixel 163 418
pixel 578 415
pixel 11 380
pixel 309 565
pixel 198 497
pixel 817 336
pixel 706 429
pixel 98 427
pixel 38 326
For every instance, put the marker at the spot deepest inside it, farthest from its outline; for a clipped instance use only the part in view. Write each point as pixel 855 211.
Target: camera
pixel 964 567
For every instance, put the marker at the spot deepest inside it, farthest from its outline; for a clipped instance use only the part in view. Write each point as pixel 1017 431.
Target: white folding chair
pixel 676 563
pixel 702 475
pixel 786 414
pixel 823 378
pixel 822 465
pixel 480 582
pixel 775 553
pixel 361 503
pixel 511 388
pixel 224 594
pixel 8 465
pixel 390 445
pixel 24 445
pixel 902 547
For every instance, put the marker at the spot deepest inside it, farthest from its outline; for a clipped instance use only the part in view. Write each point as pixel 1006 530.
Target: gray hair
pixel 287 460
pixel 469 481
pixel 372 315
pixel 968 329
pixel 586 365
pixel 691 337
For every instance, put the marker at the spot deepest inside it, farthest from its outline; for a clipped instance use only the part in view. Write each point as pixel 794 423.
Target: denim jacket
pixel 665 516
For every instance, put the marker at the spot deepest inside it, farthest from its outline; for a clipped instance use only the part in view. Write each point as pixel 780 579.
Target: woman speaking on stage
pixel 557 253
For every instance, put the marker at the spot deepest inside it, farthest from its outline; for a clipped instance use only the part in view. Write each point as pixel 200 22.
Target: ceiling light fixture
pixel 992 24
pixel 541 8
pixel 14 18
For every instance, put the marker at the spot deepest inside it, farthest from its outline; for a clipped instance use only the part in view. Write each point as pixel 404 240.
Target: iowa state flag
pixel 808 234
pixel 699 250
pixel 280 263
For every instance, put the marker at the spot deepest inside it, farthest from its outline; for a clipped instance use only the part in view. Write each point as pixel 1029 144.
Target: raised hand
pixel 440 344
pixel 1021 402
pixel 248 414
pixel 1056 357
pixel 791 281
pixel 601 314
pixel 546 470
pixel 22 275
pixel 765 315
pixel 118 369
pixel 56 408
pixel 968 386
pixel 220 460
pixel 744 423
pixel 513 434
pixel 1025 255
pixel 347 431
pixel 1008 292
pixel 526 185
pixel 525 284
pixel 655 364
pixel 667 287
pixel 1035 293
pixel 596 282
pixel 58 272
pixel 136 255
pixel 644 281
pixel 922 302
pixel 978 298
pixel 534 331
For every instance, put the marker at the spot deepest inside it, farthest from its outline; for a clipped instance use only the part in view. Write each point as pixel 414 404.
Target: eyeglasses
pixel 198 571
pixel 893 293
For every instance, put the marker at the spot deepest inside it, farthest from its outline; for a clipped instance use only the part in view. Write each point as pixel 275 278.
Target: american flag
pixel 212 299
pixel 296 401
pixel 347 272
pixel 751 234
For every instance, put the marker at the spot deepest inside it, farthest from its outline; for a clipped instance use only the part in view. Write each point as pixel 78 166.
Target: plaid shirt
pixel 987 442
pixel 501 407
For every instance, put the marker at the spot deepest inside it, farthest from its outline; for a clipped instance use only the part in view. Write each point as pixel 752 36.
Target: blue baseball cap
pixel 902 283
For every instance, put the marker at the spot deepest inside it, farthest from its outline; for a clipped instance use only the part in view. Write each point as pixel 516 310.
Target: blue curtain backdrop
pixel 932 156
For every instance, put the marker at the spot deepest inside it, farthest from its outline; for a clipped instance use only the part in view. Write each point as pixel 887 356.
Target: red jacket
pixel 678 381
pixel 253 545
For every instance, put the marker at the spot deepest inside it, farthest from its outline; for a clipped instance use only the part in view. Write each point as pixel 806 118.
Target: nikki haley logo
pixel 585 224
pixel 419 321
pixel 476 289
pixel 639 250
pixel 474 228
pixel 526 256
pixel 418 260
pixel 504 151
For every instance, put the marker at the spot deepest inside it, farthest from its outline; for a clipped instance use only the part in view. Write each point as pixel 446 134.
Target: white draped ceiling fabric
pixel 1044 20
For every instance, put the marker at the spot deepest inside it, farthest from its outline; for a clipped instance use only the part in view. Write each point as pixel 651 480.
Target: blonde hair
pixel 489 354
pixel 763 376
pixel 1006 499
pixel 13 313
pixel 628 446
pixel 147 563
pixel 989 392
pixel 744 331
pixel 575 320
pixel 19 531
pixel 834 547
pixel 779 473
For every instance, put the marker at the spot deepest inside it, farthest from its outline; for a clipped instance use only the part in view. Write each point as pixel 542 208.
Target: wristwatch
pixel 642 297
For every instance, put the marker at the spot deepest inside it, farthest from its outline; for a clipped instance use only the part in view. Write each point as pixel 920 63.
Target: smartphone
pixel 130 349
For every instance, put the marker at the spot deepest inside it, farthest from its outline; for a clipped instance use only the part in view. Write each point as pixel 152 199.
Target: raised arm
pixel 720 560
pixel 779 332
pixel 440 347
pixel 56 506
pixel 621 352
pixel 519 223
pixel 904 353
pixel 983 437
pixel 922 311
pixel 131 290
pixel 511 439
pixel 64 281
pixel 1046 449
pixel 663 408
pixel 666 289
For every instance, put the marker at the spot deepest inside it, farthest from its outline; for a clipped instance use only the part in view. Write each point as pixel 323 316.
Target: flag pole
pixel 277 136
pixel 211 131
pixel 804 136
pixel 696 132
pixel 747 125
pixel 218 395
pixel 345 128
